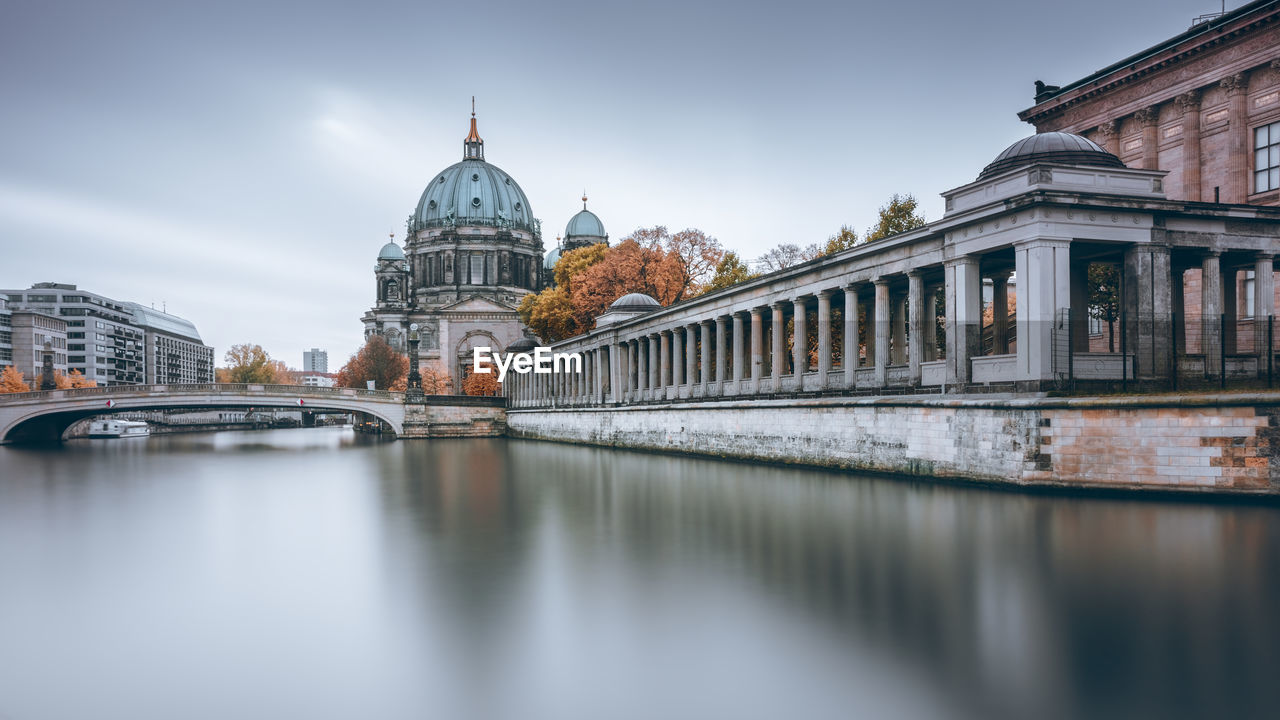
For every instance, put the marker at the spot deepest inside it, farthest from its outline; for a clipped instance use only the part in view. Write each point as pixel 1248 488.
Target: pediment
pixel 476 304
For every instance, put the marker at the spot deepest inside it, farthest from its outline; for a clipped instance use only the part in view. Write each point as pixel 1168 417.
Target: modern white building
pixel 116 342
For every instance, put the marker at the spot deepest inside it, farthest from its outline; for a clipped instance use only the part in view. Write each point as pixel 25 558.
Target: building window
pixel 1266 157
pixel 477 269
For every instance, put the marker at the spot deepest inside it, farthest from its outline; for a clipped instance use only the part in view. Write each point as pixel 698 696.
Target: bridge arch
pixel 45 416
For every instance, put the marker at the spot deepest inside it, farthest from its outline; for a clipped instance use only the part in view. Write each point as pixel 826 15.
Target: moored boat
pixel 118 429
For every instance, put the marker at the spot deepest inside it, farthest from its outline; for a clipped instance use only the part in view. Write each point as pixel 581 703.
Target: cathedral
pixel 472 251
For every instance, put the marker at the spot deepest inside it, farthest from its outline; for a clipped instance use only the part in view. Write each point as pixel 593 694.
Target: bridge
pixel 46 415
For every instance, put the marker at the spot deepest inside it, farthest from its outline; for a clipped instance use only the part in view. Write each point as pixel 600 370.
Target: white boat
pixel 118 429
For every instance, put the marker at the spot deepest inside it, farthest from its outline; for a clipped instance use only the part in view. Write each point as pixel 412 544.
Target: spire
pixel 473 146
pixel 584 199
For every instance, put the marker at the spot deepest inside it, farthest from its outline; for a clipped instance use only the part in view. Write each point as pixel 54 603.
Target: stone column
pixel 677 354
pixel 799 342
pixel 1189 104
pixel 1211 311
pixel 617 368
pixel 739 354
pixel 881 328
pixel 1148 118
pixel 704 363
pixel 915 306
pixel 633 350
pixel 1178 308
pixel 929 331
pixel 690 357
pixel 1044 288
pixel 850 350
pixel 1109 133
pixel 778 361
pixel 1231 309
pixel 722 337
pixel 898 328
pixel 824 338
pixel 655 367
pixel 1000 314
pixel 1147 303
pixel 642 368
pixel 664 358
pixel 1264 305
pixel 757 349
pixel 964 317
pixel 1237 189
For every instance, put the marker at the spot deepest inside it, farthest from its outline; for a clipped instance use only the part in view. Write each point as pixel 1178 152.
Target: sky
pixel 241 163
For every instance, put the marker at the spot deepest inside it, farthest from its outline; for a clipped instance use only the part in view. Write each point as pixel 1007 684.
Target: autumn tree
pixel 898 215
pixel 842 240
pixel 550 314
pixel 436 381
pixel 251 364
pixel 730 271
pixel 376 361
pixel 11 381
pixel 481 384
pixel 787 255
pixel 699 256
pixel 76 379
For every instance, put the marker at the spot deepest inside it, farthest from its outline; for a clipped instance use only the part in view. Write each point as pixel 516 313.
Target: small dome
pixel 525 344
pixel 634 301
pixel 586 225
pixel 391 251
pixel 1058 147
pixel 549 261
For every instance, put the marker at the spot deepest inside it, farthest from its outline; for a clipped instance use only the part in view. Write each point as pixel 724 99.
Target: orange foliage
pixel 376 361
pixel 436 381
pixel 11 381
pixel 481 384
pixel 76 379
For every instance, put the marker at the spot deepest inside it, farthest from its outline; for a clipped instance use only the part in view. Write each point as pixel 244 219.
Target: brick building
pixel 1203 106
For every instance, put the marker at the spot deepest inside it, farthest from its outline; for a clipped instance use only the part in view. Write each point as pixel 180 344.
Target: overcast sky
pixel 241 163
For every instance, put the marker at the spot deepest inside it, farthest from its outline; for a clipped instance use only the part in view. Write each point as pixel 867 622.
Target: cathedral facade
pixel 473 249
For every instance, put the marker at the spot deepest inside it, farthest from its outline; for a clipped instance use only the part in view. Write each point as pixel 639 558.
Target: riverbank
pixel 1209 443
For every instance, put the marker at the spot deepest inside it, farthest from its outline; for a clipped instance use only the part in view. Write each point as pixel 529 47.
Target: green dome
pixel 585 224
pixel 549 262
pixel 391 251
pixel 473 192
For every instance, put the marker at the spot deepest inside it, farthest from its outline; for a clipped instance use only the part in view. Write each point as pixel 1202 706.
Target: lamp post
pixel 414 384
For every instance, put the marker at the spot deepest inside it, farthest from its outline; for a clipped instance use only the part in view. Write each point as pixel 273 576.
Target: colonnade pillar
pixel 722 330
pixel 1147 301
pixel 1044 287
pixel 690 357
pixel 1211 311
pixel 664 358
pixel 882 330
pixel 677 366
pixel 757 349
pixel 850 361
pixel 739 354
pixel 1000 314
pixel 704 369
pixel 1264 304
pixel 778 360
pixel 964 316
pixel 915 305
pixel 799 342
pixel 824 337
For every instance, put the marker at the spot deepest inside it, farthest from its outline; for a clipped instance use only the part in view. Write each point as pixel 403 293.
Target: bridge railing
pixel 214 388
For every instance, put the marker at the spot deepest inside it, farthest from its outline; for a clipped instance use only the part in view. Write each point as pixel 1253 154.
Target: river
pixel 320 574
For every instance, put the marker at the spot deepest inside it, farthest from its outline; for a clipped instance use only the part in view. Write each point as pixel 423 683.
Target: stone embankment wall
pixel 1203 443
pixel 462 417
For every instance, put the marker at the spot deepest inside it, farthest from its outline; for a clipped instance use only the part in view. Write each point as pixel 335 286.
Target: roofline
pixel 1195 31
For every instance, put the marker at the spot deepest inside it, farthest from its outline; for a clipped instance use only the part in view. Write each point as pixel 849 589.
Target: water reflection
pixel 315 572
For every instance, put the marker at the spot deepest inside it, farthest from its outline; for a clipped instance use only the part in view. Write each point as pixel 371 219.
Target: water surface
pixel 317 574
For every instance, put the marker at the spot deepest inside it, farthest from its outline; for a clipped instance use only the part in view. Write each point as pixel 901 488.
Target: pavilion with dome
pixel 473 249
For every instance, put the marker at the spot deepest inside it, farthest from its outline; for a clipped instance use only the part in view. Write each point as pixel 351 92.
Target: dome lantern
pixel 473 146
